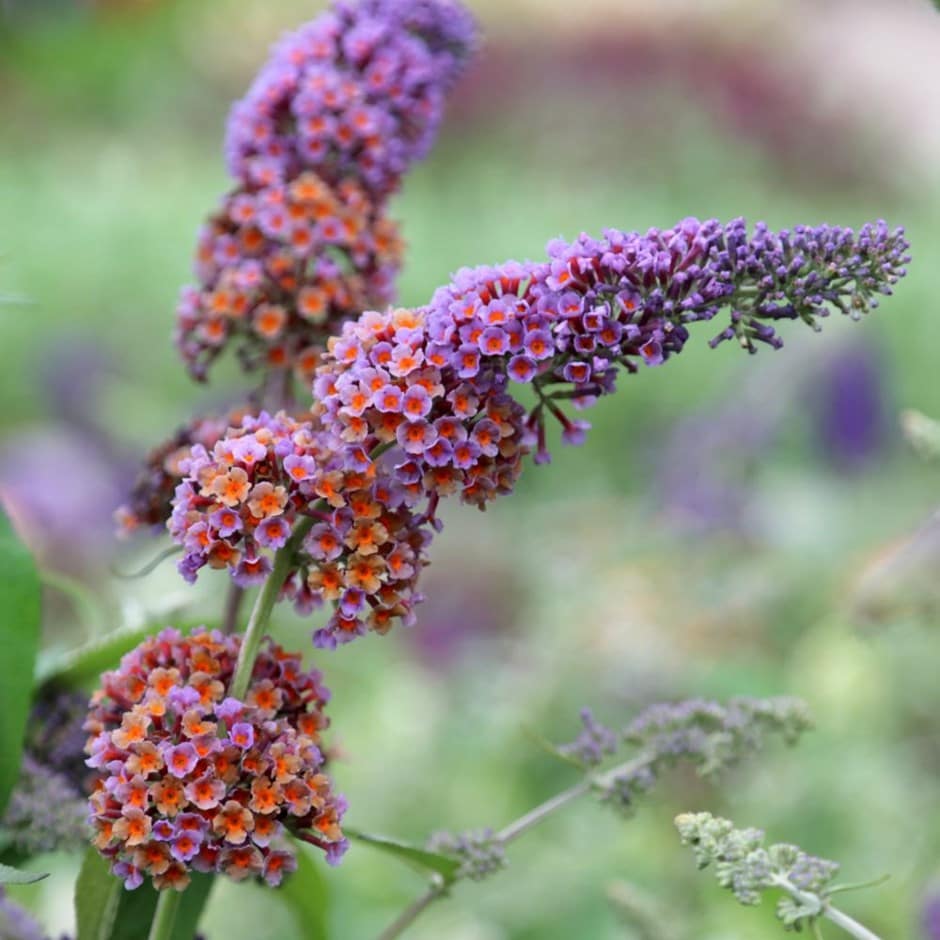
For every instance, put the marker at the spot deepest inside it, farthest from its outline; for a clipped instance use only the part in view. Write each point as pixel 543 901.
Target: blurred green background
pixel 734 525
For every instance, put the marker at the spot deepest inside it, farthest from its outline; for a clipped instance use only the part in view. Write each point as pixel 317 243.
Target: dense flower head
pixel 363 545
pixel 357 93
pixel 149 502
pixel 192 779
pixel 279 266
pixel 436 379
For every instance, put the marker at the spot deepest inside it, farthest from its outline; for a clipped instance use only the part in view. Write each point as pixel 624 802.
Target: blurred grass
pixel 110 161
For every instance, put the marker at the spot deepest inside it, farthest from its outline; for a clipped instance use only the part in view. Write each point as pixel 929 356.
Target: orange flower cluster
pixel 280 266
pixel 190 779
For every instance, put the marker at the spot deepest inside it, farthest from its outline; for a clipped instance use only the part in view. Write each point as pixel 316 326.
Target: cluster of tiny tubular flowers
pixel 436 379
pixel 358 93
pixel 192 780
pixel 239 502
pixel 279 267
pixel 149 502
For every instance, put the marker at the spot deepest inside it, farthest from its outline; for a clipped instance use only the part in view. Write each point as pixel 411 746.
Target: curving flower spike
pixel 566 327
pixel 189 780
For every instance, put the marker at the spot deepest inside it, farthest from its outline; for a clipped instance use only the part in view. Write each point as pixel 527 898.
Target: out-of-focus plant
pixel 710 736
pixel 748 868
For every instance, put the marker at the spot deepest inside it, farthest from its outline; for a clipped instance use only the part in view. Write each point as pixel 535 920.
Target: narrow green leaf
pixel 444 865
pixel 105 910
pixel 307 894
pixel 71 668
pixel 76 666
pixel 19 641
pixel 97 897
pixel 195 898
pixel 13 876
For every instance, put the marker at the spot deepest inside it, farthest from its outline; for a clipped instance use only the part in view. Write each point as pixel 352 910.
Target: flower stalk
pixel 264 604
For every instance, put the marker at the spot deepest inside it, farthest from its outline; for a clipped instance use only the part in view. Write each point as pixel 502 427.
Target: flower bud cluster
pixel 149 502
pixel 191 779
pixel 358 93
pixel 747 868
pixel 479 852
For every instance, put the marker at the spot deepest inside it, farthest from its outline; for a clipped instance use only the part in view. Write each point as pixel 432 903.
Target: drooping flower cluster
pixel 341 110
pixel 747 868
pixel 436 379
pixel 279 267
pixel 191 779
pixel 362 546
pixel 356 94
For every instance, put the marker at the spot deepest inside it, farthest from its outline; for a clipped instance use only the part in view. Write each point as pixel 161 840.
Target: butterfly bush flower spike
pixel 343 108
pixel 437 381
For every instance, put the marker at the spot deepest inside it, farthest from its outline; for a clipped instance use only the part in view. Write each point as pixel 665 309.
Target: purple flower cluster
pixel 363 546
pixel 47 810
pixel 357 93
pixel 16 923
pixel 594 744
pixel 435 380
pixel 190 779
pixel 342 109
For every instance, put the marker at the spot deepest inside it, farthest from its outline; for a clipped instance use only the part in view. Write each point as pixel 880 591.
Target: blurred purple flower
pixel 465 606
pixel 930 916
pixel 850 407
pixel 16 923
pixel 61 490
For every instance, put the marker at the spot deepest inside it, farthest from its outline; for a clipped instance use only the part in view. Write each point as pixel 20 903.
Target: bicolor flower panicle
pixel 362 546
pixel 436 379
pixel 279 267
pixel 356 94
pixel 193 780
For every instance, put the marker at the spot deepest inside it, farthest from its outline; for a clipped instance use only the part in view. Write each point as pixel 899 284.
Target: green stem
pixel 165 915
pixel 851 926
pixel 438 888
pixel 264 604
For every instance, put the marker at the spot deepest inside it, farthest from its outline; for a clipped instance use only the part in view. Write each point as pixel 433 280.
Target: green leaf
pixel 444 865
pixel 85 664
pixel 13 876
pixel 97 898
pixel 77 666
pixel 194 901
pixel 307 894
pixel 19 640
pixel 105 910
